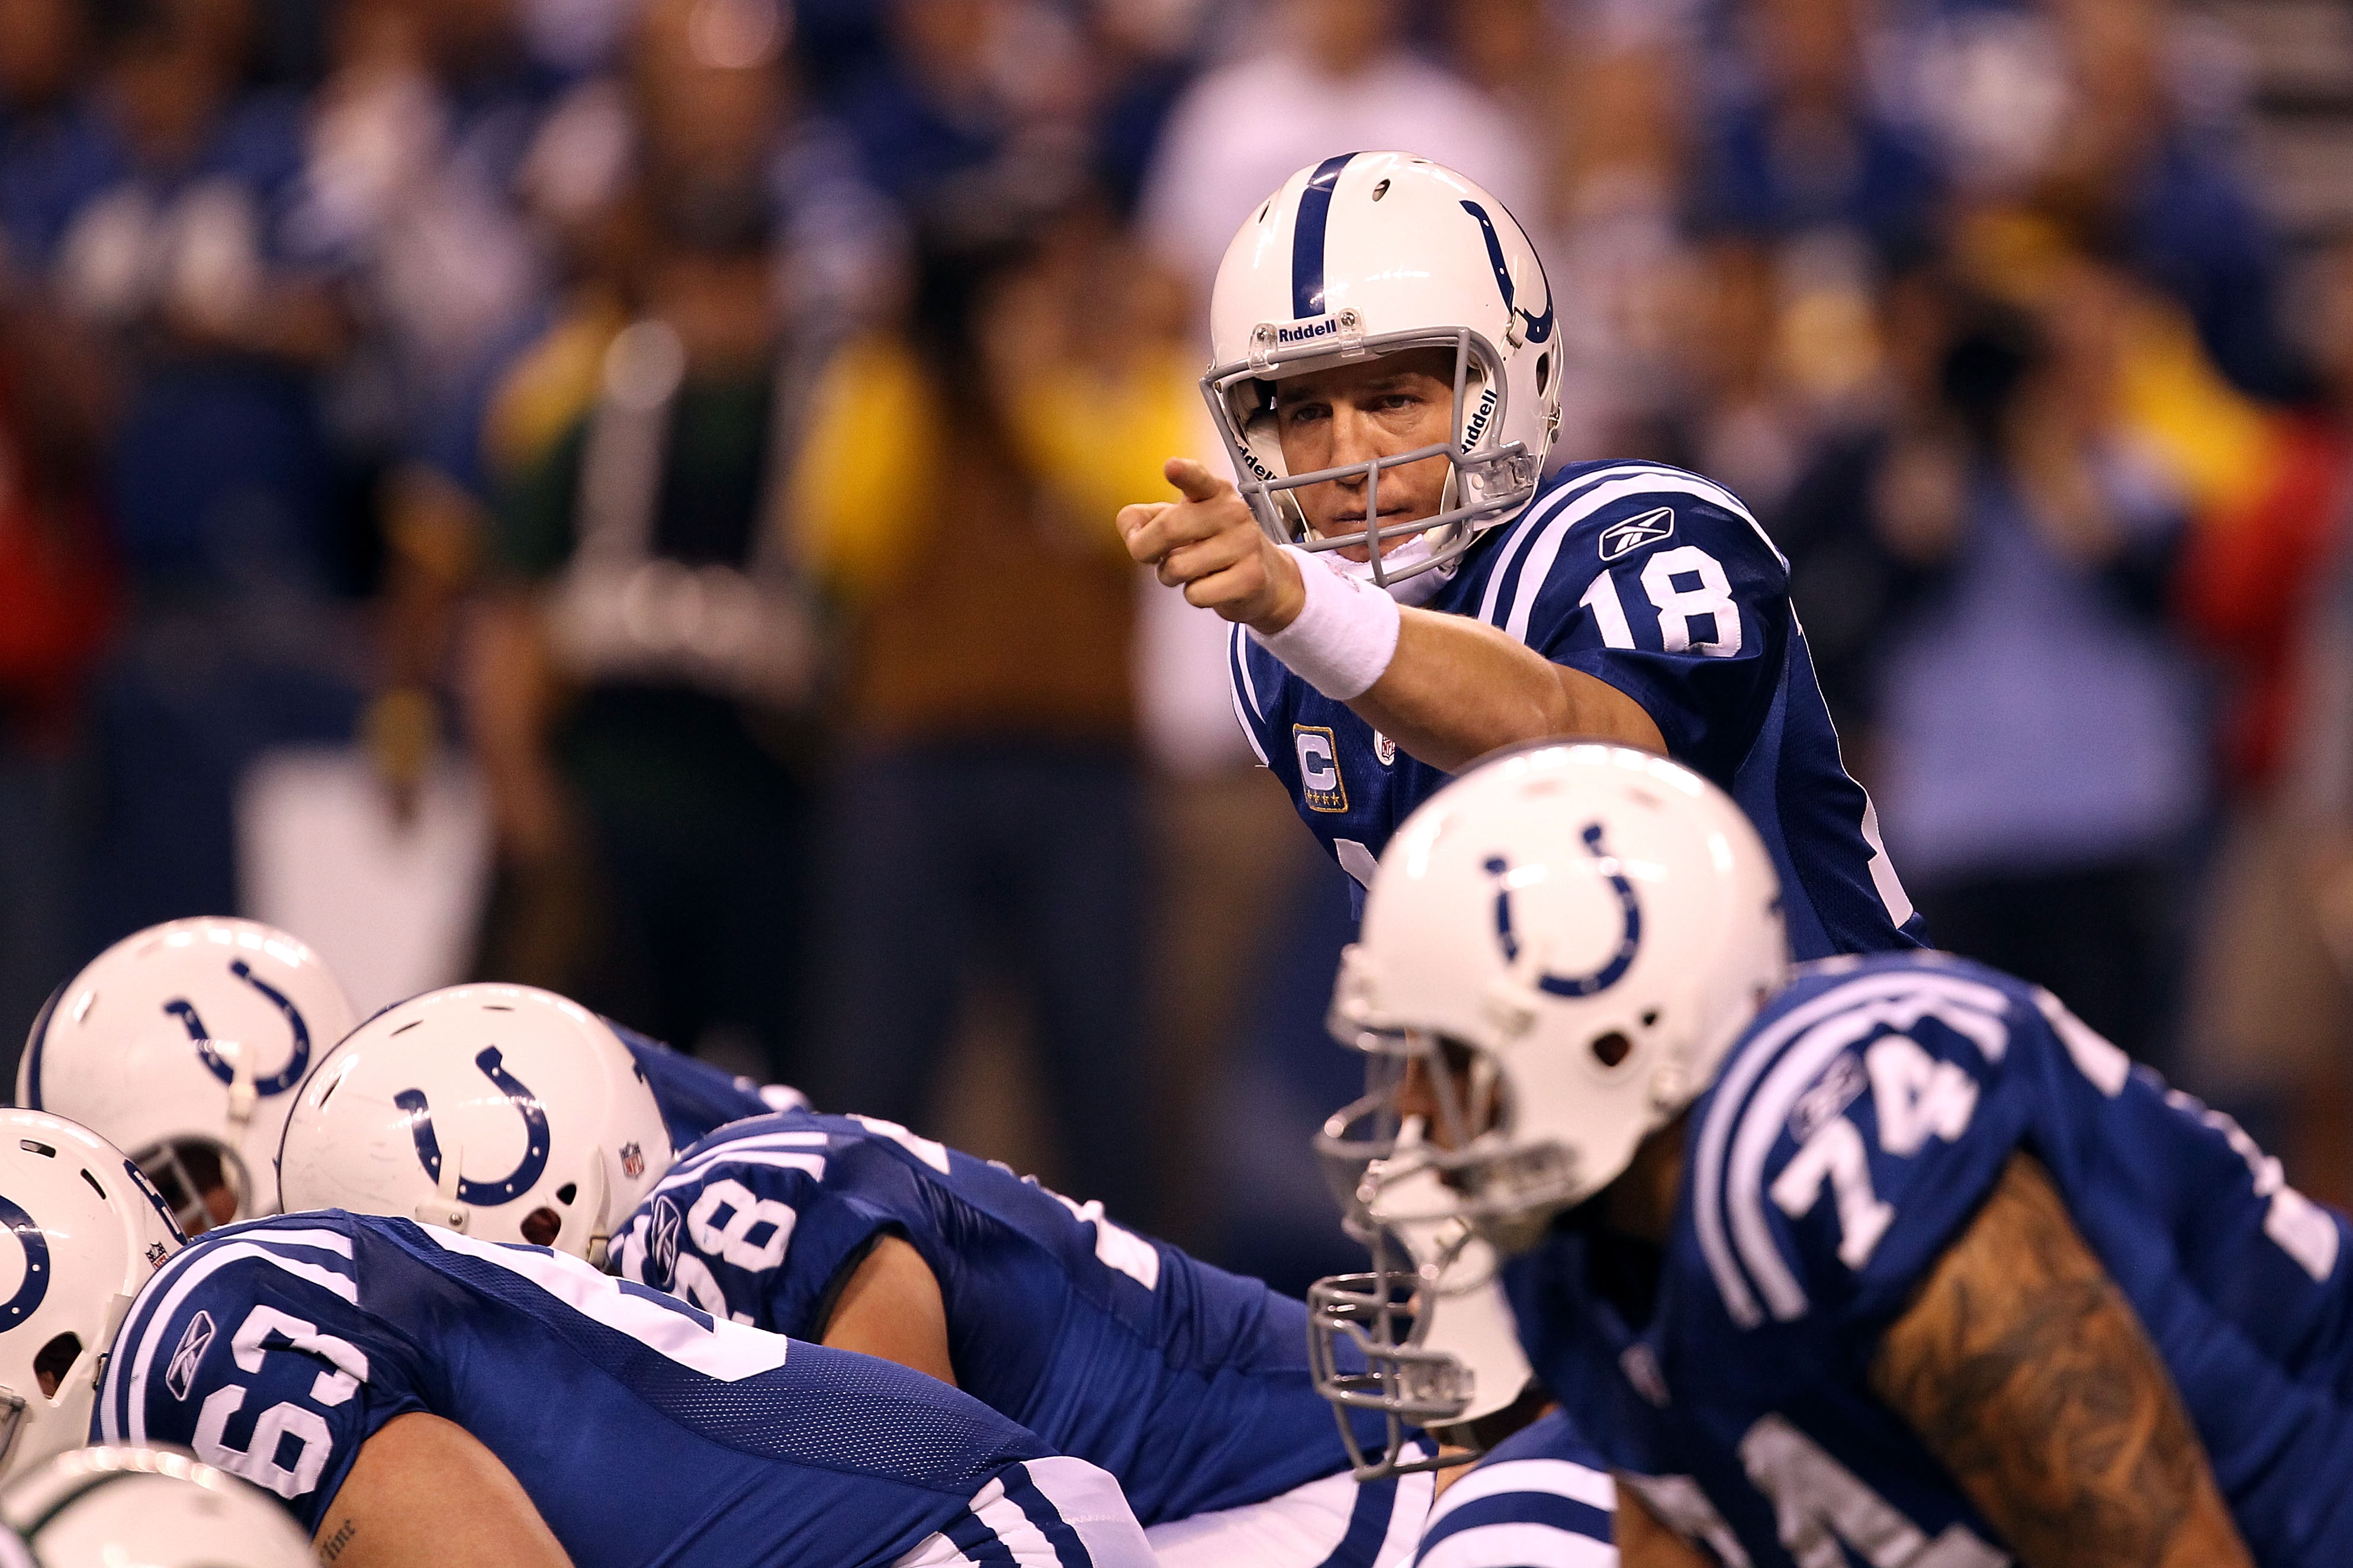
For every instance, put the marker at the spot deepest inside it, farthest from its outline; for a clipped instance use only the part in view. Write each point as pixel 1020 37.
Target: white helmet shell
pixel 87 1233
pixel 1595 925
pixel 1375 253
pixel 185 1045
pixel 113 1507
pixel 503 1111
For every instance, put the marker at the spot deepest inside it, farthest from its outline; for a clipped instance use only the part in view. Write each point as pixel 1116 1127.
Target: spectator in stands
pixel 2041 757
pixel 2265 583
pixel 1799 147
pixel 51 138
pixel 645 683
pixel 1334 76
pixel 217 320
pixel 988 805
pixel 58 602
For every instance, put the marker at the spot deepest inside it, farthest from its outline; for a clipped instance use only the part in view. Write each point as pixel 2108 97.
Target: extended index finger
pixel 1195 479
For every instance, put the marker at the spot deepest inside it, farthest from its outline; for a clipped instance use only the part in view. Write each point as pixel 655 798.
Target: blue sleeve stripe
pixel 1368 1526
pixel 1070 1551
pixel 1548 1509
pixel 978 1539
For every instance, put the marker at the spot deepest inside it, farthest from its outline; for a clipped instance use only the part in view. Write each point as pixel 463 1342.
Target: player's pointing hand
pixel 1211 547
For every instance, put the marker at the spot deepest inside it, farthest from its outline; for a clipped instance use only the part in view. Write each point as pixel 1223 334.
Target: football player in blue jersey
pixel 1888 1260
pixel 1188 1385
pixel 697 1095
pixel 1410 592
pixel 419 1398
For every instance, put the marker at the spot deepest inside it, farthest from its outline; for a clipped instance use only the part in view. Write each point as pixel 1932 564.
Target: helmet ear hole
pixel 542 1225
pixel 55 1360
pixel 1611 1049
pixel 1544 372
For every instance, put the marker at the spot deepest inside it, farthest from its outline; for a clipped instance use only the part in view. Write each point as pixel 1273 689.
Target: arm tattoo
pixel 333 1546
pixel 2023 1368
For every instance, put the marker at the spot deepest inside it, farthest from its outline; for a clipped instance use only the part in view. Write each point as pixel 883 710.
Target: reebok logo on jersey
pixel 661 1251
pixel 1320 785
pixel 180 1376
pixel 1619 538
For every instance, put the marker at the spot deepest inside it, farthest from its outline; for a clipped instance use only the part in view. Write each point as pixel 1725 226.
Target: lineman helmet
pixel 184 1043
pixel 88 1232
pixel 1374 253
pixel 155 1508
pixel 503 1111
pixel 1557 950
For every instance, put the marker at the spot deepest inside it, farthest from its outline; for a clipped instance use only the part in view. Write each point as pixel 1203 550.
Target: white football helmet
pixel 502 1112
pixel 89 1231
pixel 1373 253
pixel 1557 950
pixel 149 1508
pixel 185 1045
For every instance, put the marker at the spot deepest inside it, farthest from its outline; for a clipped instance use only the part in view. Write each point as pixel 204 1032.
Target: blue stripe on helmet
pixel 1308 238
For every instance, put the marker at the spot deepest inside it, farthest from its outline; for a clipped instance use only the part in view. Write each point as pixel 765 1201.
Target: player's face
pixel 1353 412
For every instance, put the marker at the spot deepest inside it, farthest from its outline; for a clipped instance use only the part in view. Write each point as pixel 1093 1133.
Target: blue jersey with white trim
pixel 1543 1498
pixel 644 1431
pixel 1187 1384
pixel 1852 1134
pixel 694 1096
pixel 1660 584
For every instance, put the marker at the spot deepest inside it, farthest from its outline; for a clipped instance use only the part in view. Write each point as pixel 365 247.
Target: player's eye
pixel 1307 413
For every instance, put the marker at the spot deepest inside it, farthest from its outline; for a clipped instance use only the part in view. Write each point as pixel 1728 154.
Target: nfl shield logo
pixel 633 1161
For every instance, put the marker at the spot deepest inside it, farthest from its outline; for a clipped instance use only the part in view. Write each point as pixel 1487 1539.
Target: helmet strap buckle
pixel 446 1210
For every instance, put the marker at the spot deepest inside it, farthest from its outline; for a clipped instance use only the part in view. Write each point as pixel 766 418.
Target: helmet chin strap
pixel 599 1238
pixel 446 1210
pixel 242 1096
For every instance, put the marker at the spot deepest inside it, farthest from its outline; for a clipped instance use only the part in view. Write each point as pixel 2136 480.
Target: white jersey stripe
pixel 1726 1109
pixel 186 1274
pixel 1522 531
pixel 1408 1516
pixel 728 1155
pixel 1557 1477
pixel 1519 1546
pixel 1238 682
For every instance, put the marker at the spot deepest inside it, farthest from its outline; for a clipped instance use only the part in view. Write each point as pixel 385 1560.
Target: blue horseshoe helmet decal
pixel 36 1283
pixel 1629 938
pixel 534 1126
pixel 276 1083
pixel 1539 327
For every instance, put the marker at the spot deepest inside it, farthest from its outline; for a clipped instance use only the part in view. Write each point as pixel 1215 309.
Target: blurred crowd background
pixel 616 494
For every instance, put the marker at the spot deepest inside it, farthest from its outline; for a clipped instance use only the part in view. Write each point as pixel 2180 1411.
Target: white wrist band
pixel 1346 633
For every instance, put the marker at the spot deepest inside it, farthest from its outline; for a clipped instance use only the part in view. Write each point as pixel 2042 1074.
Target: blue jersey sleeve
pixel 1853 1134
pixel 695 1097
pixel 749 1225
pixel 1662 586
pixel 1543 1494
pixel 250 1350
